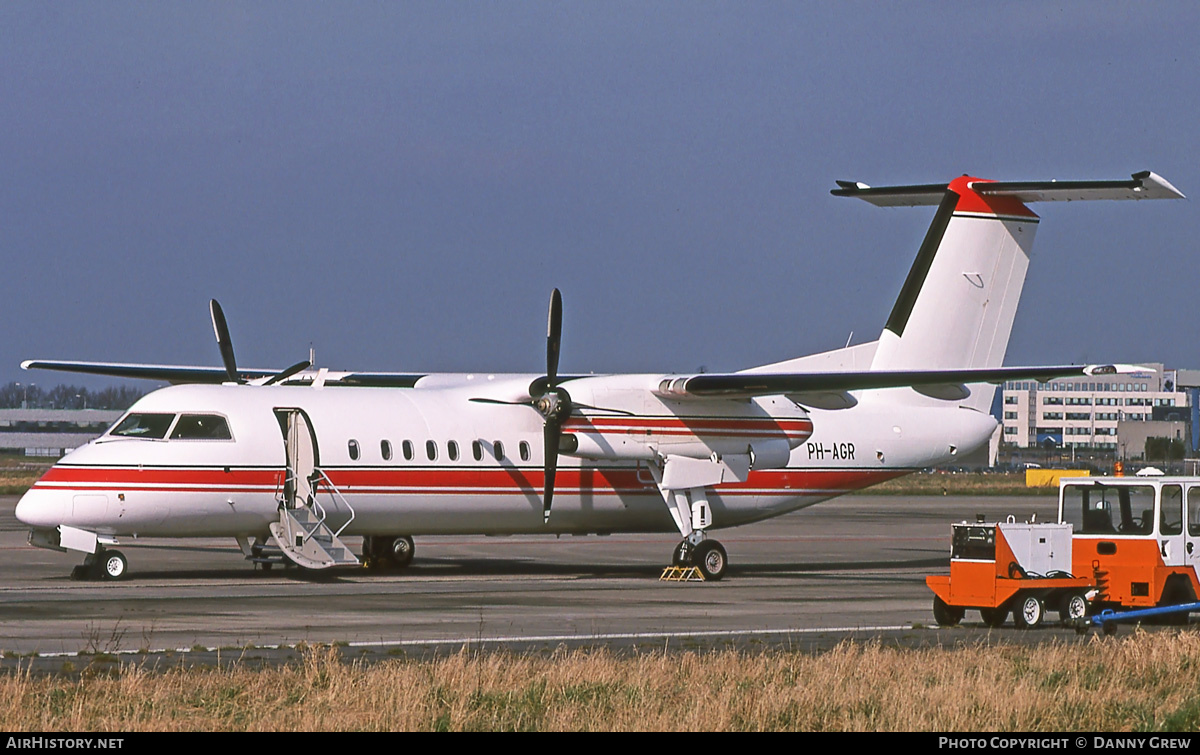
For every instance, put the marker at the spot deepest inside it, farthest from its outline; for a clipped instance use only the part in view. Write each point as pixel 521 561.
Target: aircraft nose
pixel 41 509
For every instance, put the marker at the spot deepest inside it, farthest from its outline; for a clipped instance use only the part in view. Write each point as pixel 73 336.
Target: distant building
pixel 51 432
pixel 1086 413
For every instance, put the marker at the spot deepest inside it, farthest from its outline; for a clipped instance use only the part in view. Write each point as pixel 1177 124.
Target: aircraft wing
pixel 170 373
pixel 747 385
pixel 173 373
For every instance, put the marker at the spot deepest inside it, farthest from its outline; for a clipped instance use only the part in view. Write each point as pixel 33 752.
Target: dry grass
pixel 966 483
pixel 1139 682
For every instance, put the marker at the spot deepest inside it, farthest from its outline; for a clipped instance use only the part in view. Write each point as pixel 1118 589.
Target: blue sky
pixel 401 185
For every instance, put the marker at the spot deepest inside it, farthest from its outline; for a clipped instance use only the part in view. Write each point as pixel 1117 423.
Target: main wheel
pixel 1029 612
pixel 947 615
pixel 113 565
pixel 710 558
pixel 1074 607
pixel 402 551
pixel 994 617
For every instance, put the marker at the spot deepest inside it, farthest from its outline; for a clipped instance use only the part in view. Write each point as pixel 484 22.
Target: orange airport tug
pixel 1122 549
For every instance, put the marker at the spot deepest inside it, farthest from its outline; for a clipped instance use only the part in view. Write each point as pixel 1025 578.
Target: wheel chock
pixel 681 574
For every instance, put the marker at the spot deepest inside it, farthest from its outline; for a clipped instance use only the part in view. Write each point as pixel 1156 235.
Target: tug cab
pixel 1137 537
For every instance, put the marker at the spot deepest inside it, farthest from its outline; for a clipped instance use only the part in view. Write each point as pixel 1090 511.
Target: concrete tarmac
pixel 851 567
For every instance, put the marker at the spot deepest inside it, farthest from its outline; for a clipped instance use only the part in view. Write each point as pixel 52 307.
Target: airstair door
pixel 302 533
pixel 300 444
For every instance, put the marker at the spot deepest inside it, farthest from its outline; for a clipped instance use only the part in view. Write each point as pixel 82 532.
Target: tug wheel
pixel 1029 612
pixel 994 617
pixel 947 615
pixel 1074 607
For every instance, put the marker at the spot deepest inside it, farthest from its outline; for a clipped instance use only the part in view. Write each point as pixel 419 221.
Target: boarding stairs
pixel 302 533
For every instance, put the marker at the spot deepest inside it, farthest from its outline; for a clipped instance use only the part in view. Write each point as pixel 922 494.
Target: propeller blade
pixel 576 405
pixel 224 342
pixel 553 337
pixel 551 433
pixel 297 367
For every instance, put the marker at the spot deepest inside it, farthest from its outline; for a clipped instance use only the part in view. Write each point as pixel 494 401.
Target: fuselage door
pixel 300 445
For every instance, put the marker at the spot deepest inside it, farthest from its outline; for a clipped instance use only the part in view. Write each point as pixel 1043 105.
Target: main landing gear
pixel 708 556
pixel 382 552
pixel 103 564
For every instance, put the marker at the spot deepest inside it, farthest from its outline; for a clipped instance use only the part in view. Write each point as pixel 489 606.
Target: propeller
pixel 225 344
pixel 550 400
pixel 297 367
pixel 554 404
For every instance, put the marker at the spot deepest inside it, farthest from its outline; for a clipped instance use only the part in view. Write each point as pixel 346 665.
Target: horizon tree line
pixel 16 395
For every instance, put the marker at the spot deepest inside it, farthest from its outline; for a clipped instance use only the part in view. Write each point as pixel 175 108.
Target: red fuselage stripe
pixel 444 480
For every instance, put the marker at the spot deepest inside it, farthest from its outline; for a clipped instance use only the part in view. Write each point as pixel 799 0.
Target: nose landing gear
pixel 103 564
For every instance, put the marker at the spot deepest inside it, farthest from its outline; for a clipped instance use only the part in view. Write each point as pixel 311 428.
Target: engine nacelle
pixel 770 454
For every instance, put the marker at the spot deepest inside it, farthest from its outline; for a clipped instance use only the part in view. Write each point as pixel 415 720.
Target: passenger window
pixel 385 448
pixel 353 446
pixel 431 450
pixel 144 426
pixel 498 450
pixel 201 427
pixel 477 450
pixel 407 448
pixel 1171 518
pixel 452 450
pixel 524 449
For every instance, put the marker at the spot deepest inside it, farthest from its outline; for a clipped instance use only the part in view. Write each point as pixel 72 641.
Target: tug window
pixel 385 448
pixel 201 427
pixel 1171 510
pixel 1193 510
pixel 524 448
pixel 1109 510
pixel 354 452
pixel 144 426
pixel 452 450
pixel 407 448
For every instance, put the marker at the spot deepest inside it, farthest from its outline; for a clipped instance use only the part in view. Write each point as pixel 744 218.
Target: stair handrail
pixel 336 495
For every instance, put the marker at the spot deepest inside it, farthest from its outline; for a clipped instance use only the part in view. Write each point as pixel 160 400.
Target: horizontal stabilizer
pixel 1144 185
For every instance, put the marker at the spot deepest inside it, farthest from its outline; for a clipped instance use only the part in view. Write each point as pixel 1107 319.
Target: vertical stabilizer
pixel 958 303
pixel 957 306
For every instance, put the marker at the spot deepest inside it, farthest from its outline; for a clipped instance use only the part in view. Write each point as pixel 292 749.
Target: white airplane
pixel 289 462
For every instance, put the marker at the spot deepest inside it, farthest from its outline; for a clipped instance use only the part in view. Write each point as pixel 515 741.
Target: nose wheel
pixel 104 564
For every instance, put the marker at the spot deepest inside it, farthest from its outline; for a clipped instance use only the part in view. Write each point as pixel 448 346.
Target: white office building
pixel 1084 412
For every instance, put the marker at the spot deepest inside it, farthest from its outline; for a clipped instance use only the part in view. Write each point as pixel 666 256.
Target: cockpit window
pixel 144 426
pixel 201 427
